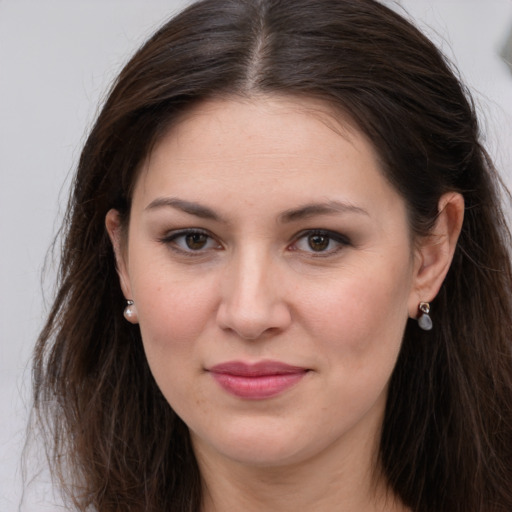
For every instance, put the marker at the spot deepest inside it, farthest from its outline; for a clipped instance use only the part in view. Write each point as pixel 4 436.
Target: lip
pixel 256 381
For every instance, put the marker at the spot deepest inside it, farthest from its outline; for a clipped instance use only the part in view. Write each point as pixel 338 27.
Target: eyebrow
pixel 189 207
pixel 292 215
pixel 313 209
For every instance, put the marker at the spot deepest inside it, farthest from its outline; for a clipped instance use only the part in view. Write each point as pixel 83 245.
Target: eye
pixel 191 241
pixel 322 242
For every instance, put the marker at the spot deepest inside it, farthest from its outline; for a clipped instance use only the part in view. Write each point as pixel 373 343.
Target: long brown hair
pixel 447 436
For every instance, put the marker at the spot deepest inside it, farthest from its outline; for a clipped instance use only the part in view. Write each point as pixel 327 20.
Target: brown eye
pixel 318 242
pixel 191 241
pixel 196 241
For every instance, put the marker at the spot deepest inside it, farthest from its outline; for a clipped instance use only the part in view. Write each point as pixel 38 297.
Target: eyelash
pixel 171 241
pixel 340 240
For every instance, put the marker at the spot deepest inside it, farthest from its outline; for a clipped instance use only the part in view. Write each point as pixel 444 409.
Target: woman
pixel 291 204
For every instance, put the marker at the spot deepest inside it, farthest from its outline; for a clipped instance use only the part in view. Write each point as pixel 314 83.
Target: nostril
pixel 251 323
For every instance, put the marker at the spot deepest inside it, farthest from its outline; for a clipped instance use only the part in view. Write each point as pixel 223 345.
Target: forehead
pixel 280 147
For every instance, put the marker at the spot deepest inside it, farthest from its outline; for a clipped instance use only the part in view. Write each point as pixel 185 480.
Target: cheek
pixel 362 315
pixel 173 311
pixel 173 316
pixel 358 325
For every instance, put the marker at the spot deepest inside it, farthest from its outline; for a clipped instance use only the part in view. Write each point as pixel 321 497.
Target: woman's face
pixel 272 270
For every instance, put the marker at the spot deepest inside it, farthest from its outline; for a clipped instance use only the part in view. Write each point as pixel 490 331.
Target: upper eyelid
pixel 328 232
pixel 335 235
pixel 176 233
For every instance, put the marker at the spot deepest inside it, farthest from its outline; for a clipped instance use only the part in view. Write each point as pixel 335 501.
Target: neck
pixel 343 479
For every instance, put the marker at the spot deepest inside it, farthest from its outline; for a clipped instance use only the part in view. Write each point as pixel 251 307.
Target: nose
pixel 253 297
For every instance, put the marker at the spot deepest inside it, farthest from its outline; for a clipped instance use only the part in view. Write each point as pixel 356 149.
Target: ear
pixel 434 252
pixel 117 237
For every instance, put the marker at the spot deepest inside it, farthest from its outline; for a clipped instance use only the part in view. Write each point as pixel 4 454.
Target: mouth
pixel 259 381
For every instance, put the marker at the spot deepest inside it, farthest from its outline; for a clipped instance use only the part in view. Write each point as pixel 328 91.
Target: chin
pixel 260 447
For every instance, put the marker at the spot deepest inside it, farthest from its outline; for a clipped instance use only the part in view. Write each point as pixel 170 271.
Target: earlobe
pixel 114 230
pixel 130 312
pixel 434 253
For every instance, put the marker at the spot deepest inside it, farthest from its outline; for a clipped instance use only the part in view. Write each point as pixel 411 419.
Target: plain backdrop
pixel 57 59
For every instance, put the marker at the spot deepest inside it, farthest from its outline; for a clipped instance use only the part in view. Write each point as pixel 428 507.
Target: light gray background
pixel 57 58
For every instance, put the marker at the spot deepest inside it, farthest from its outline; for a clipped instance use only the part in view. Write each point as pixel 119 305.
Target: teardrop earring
pixel 130 312
pixel 424 320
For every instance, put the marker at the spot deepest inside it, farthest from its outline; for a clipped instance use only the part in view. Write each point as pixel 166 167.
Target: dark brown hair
pixel 447 436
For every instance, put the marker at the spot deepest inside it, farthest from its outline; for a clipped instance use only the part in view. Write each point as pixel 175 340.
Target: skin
pixel 255 285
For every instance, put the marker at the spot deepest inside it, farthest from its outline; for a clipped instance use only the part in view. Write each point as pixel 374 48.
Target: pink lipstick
pixel 257 381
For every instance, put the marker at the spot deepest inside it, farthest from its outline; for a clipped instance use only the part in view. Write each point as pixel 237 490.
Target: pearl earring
pixel 424 320
pixel 130 312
